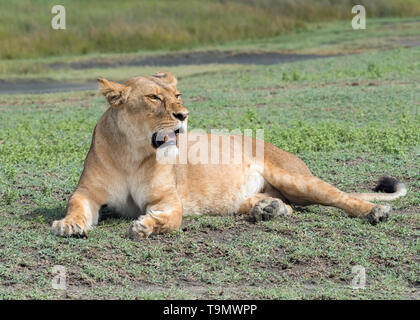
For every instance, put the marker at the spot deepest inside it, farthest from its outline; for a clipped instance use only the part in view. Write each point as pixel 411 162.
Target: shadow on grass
pixel 48 215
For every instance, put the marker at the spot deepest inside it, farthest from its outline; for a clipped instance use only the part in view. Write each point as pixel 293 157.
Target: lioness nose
pixel 181 116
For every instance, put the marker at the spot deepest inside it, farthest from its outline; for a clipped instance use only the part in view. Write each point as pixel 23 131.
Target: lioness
pixel 121 170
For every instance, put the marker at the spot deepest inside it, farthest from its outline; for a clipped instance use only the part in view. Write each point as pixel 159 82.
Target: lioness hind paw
pixel 378 214
pixel 268 209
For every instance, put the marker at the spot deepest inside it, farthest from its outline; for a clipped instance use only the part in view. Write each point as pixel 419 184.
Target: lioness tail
pixel 392 187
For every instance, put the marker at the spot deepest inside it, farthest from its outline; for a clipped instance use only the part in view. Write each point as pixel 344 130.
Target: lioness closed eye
pixel 122 171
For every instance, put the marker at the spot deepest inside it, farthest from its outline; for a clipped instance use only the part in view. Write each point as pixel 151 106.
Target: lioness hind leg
pixel 312 190
pixel 263 207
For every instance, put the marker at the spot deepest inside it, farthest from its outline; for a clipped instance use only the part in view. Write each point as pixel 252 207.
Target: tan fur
pixel 121 171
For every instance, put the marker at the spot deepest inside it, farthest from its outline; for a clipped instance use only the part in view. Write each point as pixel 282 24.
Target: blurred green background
pixel 101 26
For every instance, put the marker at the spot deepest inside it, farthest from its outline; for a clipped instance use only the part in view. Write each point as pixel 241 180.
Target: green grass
pixel 130 26
pixel 352 119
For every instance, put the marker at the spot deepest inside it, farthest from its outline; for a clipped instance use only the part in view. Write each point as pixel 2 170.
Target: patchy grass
pixel 350 118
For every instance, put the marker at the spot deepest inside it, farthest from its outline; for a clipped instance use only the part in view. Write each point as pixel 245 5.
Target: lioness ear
pixel 114 92
pixel 167 76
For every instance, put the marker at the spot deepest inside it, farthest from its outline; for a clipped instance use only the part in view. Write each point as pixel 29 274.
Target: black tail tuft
pixel 386 184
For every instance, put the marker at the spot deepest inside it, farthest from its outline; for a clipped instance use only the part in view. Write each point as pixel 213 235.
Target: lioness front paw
pixel 140 229
pixel 267 209
pixel 70 227
pixel 379 213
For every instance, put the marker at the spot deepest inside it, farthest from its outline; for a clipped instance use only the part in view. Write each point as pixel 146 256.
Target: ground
pixel 351 118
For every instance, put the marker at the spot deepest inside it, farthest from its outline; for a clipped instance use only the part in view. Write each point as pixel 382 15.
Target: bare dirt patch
pixel 42 86
pixel 191 58
pixel 38 86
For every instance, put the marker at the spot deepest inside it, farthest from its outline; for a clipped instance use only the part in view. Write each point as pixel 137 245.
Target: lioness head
pixel 149 108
